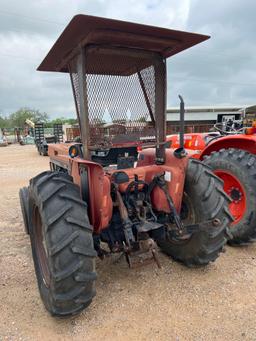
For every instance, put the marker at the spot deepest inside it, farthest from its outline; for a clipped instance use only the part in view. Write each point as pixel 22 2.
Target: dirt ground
pixel 217 302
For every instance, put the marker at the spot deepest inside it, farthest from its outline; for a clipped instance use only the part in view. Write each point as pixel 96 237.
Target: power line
pixel 204 55
pixel 6 55
pixel 3 12
pixel 204 80
pixel 191 79
pixel 31 18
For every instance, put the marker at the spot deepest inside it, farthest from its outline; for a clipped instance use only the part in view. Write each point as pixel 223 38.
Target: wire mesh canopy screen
pixel 121 94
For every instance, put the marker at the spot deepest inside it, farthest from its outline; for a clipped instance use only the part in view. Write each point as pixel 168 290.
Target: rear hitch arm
pixel 127 225
pixel 137 252
pixel 189 230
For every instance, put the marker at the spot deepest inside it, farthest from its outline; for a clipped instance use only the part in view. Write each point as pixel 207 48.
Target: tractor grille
pixel 121 95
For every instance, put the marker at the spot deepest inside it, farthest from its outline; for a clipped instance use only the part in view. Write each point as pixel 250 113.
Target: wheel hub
pixel 234 188
pixel 235 194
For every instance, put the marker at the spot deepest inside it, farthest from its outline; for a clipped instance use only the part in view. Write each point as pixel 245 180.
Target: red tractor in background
pixel 231 155
pixel 194 143
pixel 82 208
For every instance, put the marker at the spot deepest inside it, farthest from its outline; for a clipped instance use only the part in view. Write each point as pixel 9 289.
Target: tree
pixel 4 122
pixel 71 121
pixel 62 120
pixel 18 118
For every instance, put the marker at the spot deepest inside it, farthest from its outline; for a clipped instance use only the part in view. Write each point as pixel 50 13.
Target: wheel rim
pixel 187 213
pixel 40 247
pixel 234 188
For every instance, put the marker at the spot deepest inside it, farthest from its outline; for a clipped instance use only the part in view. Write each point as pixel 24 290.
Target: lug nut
pixel 216 222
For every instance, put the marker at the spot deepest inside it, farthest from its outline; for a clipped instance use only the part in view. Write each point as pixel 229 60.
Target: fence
pixel 170 129
pixel 189 128
pixel 72 133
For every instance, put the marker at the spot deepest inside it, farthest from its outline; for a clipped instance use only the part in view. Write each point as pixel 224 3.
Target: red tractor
pixel 80 209
pixel 231 155
pixel 194 143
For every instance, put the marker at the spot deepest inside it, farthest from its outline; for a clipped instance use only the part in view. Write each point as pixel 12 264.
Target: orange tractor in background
pixel 82 208
pixel 194 143
pixel 230 152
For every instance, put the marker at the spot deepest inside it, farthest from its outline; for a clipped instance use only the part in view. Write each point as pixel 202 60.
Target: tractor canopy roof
pixel 86 30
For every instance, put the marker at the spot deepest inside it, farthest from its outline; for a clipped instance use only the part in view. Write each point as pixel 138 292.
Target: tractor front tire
pixel 237 168
pixel 62 244
pixel 24 195
pixel 204 200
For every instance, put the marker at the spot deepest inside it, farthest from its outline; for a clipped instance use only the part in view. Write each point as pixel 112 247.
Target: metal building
pixel 201 119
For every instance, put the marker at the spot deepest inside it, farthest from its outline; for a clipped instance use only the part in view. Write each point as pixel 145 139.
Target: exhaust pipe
pixel 181 152
pixel 182 116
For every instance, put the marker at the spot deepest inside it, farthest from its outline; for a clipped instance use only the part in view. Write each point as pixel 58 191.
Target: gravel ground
pixel 217 302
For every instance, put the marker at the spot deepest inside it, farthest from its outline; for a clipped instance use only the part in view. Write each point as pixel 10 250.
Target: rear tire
pixel 24 197
pixel 44 150
pixel 39 149
pixel 238 166
pixel 207 201
pixel 62 244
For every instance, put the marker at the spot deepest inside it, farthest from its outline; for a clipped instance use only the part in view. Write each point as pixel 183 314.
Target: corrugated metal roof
pixel 212 108
pixel 207 113
pixel 202 116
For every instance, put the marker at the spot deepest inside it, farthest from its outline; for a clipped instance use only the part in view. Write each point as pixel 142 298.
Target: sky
pixel 220 71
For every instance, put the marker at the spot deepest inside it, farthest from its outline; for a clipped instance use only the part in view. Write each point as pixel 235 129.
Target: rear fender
pixel 244 142
pixel 175 173
pixel 98 188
